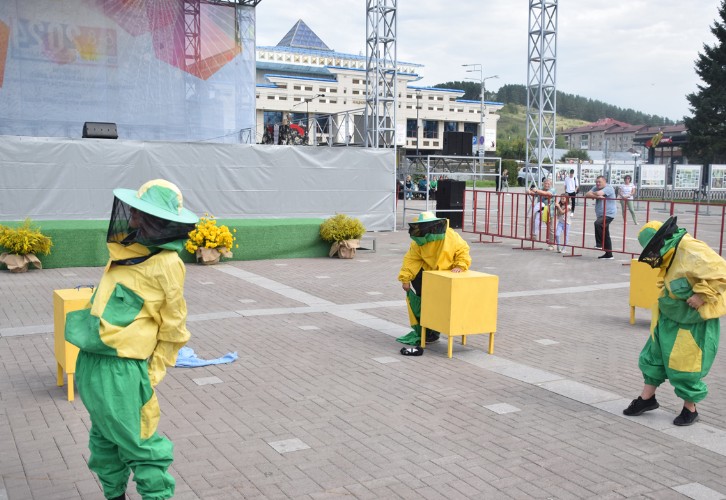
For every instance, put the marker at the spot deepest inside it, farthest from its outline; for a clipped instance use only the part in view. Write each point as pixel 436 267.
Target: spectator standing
pixel 605 212
pixel 543 203
pixel 571 187
pixel 627 192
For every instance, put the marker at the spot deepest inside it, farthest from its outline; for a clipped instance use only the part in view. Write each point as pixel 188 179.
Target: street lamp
pixel 477 68
pixel 418 106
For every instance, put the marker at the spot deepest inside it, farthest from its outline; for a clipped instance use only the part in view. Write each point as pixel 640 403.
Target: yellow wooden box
pixel 644 291
pixel 459 304
pixel 65 301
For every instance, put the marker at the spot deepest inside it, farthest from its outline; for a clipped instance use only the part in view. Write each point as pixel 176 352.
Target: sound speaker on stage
pixel 99 130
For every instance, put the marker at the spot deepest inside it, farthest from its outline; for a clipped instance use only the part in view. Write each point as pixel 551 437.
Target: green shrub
pixel 24 239
pixel 341 227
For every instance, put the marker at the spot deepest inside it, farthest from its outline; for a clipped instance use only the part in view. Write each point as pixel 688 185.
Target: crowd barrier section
pixel 494 216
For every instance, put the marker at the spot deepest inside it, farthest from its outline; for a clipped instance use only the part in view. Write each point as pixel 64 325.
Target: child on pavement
pixel 564 220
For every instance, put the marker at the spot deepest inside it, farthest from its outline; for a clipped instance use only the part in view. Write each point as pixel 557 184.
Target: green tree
pixel 576 153
pixel 707 127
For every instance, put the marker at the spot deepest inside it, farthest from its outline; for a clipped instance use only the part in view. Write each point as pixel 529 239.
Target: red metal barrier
pixel 498 215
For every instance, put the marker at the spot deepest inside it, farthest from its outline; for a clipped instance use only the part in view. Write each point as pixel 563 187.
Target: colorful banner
pixel 157 72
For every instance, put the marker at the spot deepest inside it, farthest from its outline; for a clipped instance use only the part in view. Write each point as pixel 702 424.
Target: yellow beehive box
pixel 644 291
pixel 65 301
pixel 460 304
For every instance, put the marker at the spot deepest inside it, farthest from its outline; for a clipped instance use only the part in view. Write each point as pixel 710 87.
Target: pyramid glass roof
pixel 302 37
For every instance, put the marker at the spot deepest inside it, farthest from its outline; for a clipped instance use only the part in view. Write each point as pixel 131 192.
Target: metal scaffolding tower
pixel 192 47
pixel 381 73
pixel 541 83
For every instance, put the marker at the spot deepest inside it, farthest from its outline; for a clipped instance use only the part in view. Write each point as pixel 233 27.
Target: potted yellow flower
pixel 209 241
pixel 344 232
pixel 22 243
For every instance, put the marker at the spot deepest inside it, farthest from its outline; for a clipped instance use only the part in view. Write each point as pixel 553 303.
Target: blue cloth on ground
pixel 187 358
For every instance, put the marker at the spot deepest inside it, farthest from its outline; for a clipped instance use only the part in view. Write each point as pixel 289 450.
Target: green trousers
pixel 681 349
pixel 113 391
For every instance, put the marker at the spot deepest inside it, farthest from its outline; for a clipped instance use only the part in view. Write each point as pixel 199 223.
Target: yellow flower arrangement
pixel 24 239
pixel 207 234
pixel 341 227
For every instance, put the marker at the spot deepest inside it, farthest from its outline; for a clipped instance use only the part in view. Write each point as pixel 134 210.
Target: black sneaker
pixel 412 351
pixel 687 417
pixel 606 256
pixel 640 406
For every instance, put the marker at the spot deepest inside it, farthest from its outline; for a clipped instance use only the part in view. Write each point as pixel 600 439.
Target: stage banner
pixel 157 71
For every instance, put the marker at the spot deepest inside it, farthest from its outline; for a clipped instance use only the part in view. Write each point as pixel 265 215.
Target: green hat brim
pixel 129 197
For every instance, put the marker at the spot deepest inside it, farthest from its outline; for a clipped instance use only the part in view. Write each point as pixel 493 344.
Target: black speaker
pixel 458 143
pixel 450 194
pixel 456 219
pixel 99 130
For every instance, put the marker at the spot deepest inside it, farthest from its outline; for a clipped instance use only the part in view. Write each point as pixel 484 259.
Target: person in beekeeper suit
pixel 435 247
pixel 130 332
pixel 684 339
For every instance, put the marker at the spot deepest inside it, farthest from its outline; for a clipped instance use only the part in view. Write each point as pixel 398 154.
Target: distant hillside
pixel 568 105
pixel 513 122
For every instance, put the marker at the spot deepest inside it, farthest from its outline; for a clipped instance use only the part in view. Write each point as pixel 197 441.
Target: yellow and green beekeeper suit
pixel 684 340
pixel 435 247
pixel 132 330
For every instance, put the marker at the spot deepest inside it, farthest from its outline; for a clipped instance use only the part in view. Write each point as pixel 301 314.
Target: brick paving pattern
pixel 535 420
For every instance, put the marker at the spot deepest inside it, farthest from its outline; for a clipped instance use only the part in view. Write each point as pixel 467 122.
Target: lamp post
pixel 418 106
pixel 477 68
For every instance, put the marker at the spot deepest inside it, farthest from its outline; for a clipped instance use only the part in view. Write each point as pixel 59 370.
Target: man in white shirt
pixel 571 185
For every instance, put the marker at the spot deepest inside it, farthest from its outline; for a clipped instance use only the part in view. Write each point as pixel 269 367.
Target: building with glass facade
pixel 301 81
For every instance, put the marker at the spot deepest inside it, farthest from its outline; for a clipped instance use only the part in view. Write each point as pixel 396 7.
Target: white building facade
pixel 301 81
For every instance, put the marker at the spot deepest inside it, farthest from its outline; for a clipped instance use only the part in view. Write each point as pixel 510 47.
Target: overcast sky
pixel 630 53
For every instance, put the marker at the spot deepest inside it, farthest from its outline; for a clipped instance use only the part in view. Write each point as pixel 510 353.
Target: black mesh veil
pixel 420 229
pixel 129 225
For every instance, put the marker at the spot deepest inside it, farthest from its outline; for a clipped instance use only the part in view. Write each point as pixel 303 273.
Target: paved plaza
pixel 321 405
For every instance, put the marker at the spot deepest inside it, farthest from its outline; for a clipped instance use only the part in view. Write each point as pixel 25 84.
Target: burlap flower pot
pixel 210 256
pixel 344 249
pixel 19 263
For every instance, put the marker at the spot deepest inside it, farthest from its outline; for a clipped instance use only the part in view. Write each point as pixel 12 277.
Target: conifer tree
pixel 707 127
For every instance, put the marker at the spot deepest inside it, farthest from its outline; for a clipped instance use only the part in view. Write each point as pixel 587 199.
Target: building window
pixel 299 119
pixel 411 128
pixel 431 129
pixel 450 127
pixel 309 89
pixel 272 118
pixel 471 128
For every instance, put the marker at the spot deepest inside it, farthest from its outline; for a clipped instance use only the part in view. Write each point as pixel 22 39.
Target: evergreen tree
pixel 707 127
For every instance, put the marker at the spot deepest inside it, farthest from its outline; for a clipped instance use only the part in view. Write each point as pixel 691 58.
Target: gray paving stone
pixel 288 445
pixel 208 380
pixel 698 492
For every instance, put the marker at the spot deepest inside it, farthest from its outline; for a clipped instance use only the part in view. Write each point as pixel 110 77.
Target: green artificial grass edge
pixel 83 243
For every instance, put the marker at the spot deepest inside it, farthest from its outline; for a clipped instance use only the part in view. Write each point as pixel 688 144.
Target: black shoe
pixel 412 351
pixel 687 417
pixel 640 406
pixel 122 496
pixel 606 256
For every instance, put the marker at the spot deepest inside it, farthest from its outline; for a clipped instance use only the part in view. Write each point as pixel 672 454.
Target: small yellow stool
pixel 459 304
pixel 644 291
pixel 65 301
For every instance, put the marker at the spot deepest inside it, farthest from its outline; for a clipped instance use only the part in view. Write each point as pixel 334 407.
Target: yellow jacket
pixel 138 311
pixel 440 255
pixel 705 271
